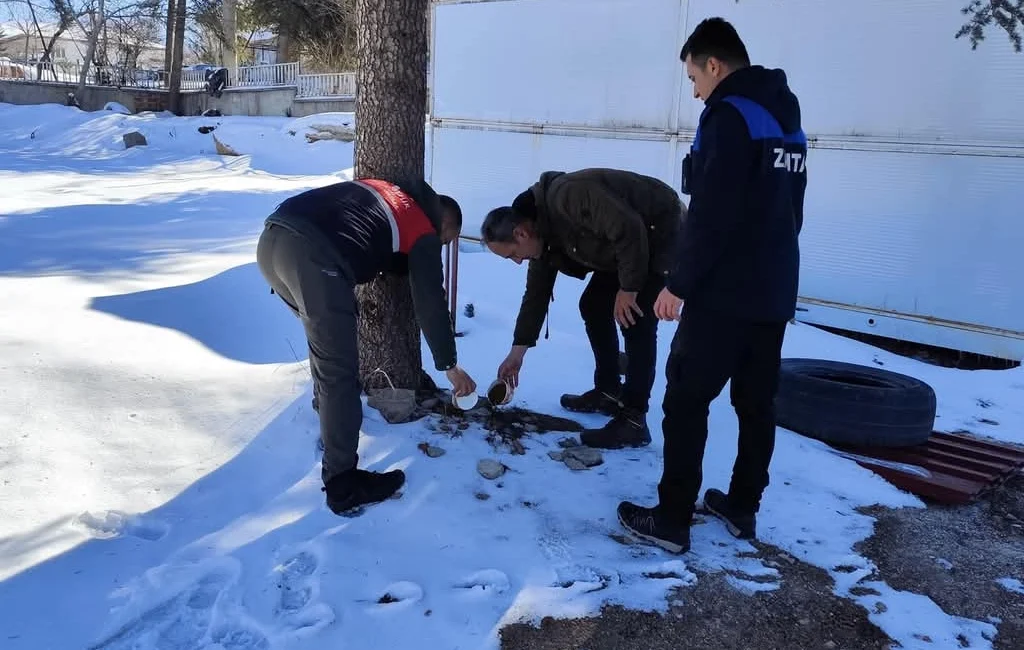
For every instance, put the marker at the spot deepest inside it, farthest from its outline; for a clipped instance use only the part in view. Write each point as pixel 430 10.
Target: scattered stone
pixel 565 443
pixel 462 426
pixel 490 469
pixel 531 428
pixel 829 645
pixel 211 112
pixel 805 621
pixel 881 608
pixel 574 464
pixel 517 447
pixel 944 563
pixel 134 139
pixel 588 456
pixel 431 450
pixel 556 455
pixel 858 590
pixel 482 496
pixel 206 129
pixel 469 311
pixel 444 426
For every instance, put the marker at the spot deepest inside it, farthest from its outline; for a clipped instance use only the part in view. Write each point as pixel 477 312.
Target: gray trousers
pixel 320 290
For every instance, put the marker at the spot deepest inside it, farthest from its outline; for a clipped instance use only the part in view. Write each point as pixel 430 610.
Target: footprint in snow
pixel 399 594
pixel 299 588
pixel 114 523
pixel 297 584
pixel 488 581
pixel 578 581
pixel 187 621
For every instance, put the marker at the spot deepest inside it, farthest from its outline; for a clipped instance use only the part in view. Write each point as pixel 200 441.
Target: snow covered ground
pixel 160 482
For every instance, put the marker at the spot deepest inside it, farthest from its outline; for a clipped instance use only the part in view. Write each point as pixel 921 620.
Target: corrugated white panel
pixel 938 236
pixel 933 236
pixel 486 169
pixel 608 63
pixel 880 67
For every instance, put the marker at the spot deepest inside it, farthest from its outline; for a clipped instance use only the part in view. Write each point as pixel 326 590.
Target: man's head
pixel 451 219
pixel 712 52
pixel 511 232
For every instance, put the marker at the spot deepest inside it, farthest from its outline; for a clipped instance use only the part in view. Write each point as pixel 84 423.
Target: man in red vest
pixel 314 249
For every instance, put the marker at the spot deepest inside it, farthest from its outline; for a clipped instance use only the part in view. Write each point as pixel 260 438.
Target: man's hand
pixel 510 367
pixel 667 306
pixel 625 307
pixel 462 384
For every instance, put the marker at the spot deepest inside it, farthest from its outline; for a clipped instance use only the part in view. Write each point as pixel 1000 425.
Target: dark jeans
pixel 597 306
pixel 321 292
pixel 708 350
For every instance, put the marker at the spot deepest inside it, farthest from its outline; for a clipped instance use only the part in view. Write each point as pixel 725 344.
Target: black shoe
pixel 741 525
pixel 627 429
pixel 650 524
pixel 349 491
pixel 593 401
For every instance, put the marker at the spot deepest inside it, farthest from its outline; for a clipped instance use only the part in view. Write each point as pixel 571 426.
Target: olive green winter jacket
pixel 597 220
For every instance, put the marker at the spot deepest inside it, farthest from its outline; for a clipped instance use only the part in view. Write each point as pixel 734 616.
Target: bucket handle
pixel 390 383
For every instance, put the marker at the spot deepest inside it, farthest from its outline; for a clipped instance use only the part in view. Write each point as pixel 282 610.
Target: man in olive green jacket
pixel 621 226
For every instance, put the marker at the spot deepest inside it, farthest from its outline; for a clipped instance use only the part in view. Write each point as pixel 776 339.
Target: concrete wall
pixel 267 102
pixel 92 99
pixel 235 101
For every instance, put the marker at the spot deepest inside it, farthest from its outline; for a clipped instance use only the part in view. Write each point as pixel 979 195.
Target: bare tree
pixel 391 37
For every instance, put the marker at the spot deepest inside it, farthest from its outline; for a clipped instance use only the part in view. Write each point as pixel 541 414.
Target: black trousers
pixel 320 290
pixel 707 351
pixel 597 306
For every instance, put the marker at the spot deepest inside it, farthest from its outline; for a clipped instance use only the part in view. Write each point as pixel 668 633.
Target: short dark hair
pixel 500 223
pixel 718 38
pixel 451 205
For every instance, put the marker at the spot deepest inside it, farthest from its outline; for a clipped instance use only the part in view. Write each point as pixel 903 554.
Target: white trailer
pixel 914 219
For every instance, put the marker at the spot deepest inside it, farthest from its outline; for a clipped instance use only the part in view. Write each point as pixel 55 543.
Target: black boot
pixel 627 429
pixel 652 525
pixel 355 488
pixel 742 525
pixel 594 400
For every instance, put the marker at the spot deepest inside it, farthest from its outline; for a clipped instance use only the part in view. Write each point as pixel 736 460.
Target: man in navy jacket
pixel 735 279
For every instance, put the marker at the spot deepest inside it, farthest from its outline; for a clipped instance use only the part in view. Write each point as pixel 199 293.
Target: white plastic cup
pixel 466 402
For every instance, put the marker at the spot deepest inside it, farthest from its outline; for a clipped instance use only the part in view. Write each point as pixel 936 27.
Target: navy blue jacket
pixel 746 176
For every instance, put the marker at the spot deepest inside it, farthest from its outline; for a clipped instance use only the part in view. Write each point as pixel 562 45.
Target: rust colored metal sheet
pixel 950 468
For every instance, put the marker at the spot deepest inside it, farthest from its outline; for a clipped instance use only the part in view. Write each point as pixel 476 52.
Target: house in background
pixel 260 49
pixel 23 43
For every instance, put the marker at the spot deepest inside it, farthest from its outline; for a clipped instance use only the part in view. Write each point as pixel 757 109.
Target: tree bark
pixel 177 58
pixel 391 82
pixel 169 38
pixel 228 56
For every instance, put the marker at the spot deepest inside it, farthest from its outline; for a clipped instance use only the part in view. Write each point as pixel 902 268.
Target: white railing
pixel 193 80
pixel 331 84
pixel 277 74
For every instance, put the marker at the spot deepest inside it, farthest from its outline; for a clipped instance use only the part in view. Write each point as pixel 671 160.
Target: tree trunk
pixel 177 58
pixel 391 41
pixel 169 39
pixel 90 50
pixel 229 56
